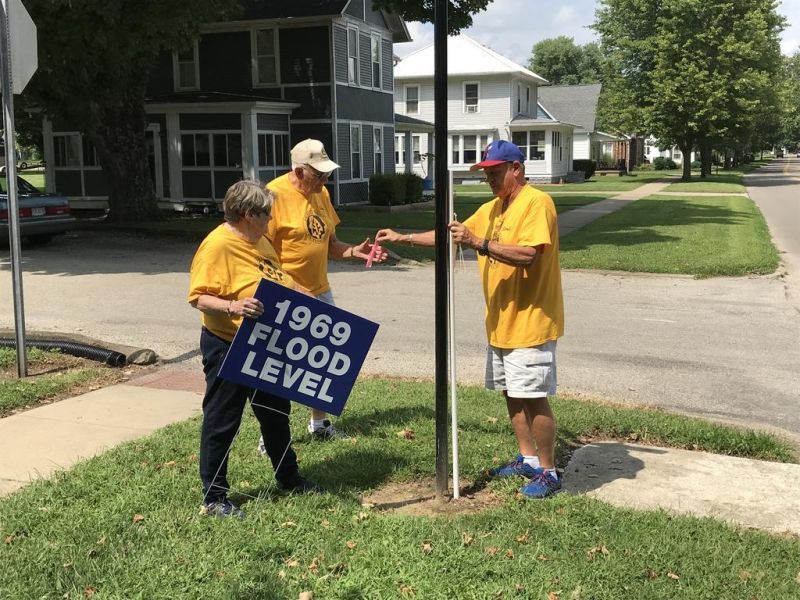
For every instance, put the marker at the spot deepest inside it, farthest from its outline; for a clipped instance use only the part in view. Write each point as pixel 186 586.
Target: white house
pixel 653 150
pixel 489 97
pixel 578 104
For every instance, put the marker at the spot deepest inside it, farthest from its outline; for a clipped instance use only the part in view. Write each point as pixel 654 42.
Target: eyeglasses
pixel 319 175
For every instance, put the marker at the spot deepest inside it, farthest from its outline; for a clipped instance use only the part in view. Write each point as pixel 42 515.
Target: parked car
pixel 779 154
pixel 41 216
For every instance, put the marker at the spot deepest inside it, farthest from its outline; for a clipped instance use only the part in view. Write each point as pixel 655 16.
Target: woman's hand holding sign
pixel 251 308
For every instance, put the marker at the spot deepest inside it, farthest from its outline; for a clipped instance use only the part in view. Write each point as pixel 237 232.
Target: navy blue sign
pixel 301 349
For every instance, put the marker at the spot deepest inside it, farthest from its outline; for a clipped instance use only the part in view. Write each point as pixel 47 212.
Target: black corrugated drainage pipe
pixel 110 357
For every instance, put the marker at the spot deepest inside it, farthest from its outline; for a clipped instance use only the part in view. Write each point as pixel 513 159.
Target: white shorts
pixel 522 372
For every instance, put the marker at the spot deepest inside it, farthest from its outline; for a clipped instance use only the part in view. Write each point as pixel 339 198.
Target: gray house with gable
pixel 232 105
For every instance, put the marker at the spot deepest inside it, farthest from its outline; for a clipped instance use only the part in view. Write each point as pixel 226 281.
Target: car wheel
pixel 38 240
pixel 23 165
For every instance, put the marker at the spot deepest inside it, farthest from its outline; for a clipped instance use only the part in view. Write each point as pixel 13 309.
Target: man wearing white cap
pixel 303 232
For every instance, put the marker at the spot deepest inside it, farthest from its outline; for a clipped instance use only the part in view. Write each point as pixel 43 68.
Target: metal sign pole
pixel 11 189
pixel 451 321
pixel 442 219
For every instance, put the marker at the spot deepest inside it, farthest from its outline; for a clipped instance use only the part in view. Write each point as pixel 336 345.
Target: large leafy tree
pixel 562 62
pixel 459 12
pixel 696 73
pixel 95 58
pixel 790 102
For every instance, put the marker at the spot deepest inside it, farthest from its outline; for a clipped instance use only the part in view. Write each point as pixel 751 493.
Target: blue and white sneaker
pixel 514 468
pixel 541 485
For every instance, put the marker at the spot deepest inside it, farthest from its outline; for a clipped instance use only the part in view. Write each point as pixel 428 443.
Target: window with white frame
pixel 66 150
pixel 195 150
pixel 89 154
pixel 377 146
pixel 466 149
pixel 375 52
pixel 186 69
pixel 412 99
pixel 416 145
pixel 265 69
pixel 399 150
pixel 531 143
pixel 355 152
pixel 273 150
pixel 352 56
pixel 471 93
pixel 228 150
pixel 557 148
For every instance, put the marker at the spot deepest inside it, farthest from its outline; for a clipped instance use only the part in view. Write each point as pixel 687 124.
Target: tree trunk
pixel 686 150
pixel 118 132
pixel 705 159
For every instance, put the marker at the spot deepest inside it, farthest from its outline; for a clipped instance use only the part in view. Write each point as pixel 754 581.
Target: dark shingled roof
pixel 410 120
pixel 278 9
pixel 572 103
pixel 212 97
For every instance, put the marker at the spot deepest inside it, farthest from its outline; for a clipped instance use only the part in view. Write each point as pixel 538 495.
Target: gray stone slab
pixel 741 491
pixel 41 441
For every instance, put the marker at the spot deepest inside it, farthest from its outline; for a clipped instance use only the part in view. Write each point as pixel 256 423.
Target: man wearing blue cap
pixel 516 237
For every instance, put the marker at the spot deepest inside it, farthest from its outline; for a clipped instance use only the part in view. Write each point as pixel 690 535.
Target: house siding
pixel 364 105
pixel 367 144
pixel 373 17
pixel 350 193
pixel 267 122
pixel 365 62
pixel 388 150
pixel 340 53
pixel 387 66
pixel 356 8
pixel 343 150
pixel 580 146
pixel 315 101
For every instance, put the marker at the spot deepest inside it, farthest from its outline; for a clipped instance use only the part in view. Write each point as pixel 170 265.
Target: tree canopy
pixel 95 58
pixel 690 72
pixel 562 62
pixel 459 12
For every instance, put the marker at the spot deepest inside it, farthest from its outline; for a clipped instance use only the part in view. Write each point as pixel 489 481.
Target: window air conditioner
pixel 472 108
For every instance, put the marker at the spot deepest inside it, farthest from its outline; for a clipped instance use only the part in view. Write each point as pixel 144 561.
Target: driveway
pixel 724 348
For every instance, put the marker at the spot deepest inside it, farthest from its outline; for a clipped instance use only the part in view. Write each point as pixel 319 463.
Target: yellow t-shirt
pixel 524 305
pixel 300 230
pixel 230 267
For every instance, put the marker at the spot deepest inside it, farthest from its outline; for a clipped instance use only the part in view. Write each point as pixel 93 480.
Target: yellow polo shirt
pixel 524 305
pixel 230 267
pixel 300 230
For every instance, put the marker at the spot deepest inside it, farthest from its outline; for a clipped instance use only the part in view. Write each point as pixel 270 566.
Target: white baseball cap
pixel 312 153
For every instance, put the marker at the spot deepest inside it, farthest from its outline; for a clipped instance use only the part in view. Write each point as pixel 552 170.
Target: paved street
pixel 725 348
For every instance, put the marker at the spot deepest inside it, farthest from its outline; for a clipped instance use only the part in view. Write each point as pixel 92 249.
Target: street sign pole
pixel 11 188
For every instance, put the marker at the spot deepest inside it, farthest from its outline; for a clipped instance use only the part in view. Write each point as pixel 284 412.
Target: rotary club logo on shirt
pixel 316 227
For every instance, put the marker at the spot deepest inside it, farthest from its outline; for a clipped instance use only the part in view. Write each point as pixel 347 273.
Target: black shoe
pixel 222 508
pixel 327 432
pixel 297 484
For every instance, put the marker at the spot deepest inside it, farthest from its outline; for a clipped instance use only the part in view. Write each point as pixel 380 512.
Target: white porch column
pixel 174 157
pixel 409 156
pixel 250 145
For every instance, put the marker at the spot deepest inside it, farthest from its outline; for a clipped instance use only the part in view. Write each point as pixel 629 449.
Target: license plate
pixel 38 211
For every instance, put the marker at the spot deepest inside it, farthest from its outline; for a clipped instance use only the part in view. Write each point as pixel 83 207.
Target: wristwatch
pixel 484 249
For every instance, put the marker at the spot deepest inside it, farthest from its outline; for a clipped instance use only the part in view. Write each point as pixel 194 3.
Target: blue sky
pixel 511 27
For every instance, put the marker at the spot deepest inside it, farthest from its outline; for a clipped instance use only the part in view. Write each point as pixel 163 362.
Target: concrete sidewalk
pixel 579 217
pixel 41 441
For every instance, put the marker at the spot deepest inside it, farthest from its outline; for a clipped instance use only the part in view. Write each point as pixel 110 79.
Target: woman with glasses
pixel 225 272
pixel 303 233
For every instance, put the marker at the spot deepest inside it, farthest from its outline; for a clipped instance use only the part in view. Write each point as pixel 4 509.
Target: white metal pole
pixel 451 329
pixel 11 188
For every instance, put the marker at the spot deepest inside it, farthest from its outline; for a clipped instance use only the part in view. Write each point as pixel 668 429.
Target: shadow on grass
pixel 640 222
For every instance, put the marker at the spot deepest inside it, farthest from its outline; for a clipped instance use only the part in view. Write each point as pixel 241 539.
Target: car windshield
pixel 23 187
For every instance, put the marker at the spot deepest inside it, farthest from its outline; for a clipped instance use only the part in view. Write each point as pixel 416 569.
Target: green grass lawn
pixel 34 178
pixel 83 534
pixel 52 374
pixel 730 181
pixel 597 183
pixel 701 236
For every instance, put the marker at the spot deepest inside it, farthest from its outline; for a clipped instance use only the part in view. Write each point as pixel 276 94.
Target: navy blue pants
pixel 223 406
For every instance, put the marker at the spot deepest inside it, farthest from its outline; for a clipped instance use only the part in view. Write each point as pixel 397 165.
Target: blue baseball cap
pixel 497 153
